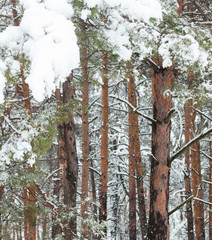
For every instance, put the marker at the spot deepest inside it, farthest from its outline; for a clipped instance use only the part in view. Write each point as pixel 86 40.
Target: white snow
pixel 47 39
pixel 2 80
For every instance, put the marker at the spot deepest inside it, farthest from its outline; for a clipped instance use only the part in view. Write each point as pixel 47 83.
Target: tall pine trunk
pixel 162 81
pixel 132 157
pixel 68 158
pixel 189 212
pixel 210 192
pixel 85 134
pixel 198 206
pixel 104 142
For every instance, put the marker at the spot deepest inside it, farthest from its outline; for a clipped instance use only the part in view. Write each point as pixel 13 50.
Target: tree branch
pixel 133 108
pixel 182 204
pixel 195 139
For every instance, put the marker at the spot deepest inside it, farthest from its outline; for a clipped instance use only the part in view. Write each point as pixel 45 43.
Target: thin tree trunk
pixel 139 169
pixel 210 192
pixel 196 182
pixel 162 81
pixel 93 186
pixel 180 8
pixel 104 142
pixel 1 196
pixel 14 13
pixel 132 157
pixel 85 134
pixel 189 212
pixel 70 162
pixel 25 202
pixel 32 214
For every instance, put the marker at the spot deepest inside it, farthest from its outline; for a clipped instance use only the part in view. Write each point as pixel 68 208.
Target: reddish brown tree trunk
pixel 32 213
pixel 104 142
pixel 189 213
pixel 25 201
pixel 196 182
pixel 180 8
pixel 135 161
pixel 85 135
pixel 14 12
pixel 162 81
pixel 132 157
pixel 210 192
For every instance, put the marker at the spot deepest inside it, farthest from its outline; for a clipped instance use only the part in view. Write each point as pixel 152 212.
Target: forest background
pixel 105 119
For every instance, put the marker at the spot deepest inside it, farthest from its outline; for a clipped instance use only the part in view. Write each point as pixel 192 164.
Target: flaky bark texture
pixel 132 158
pixel 68 157
pixel 198 206
pixel 104 143
pixel 162 81
pixel 189 213
pixel 85 135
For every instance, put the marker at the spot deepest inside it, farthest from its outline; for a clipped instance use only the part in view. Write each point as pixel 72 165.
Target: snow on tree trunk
pixel 68 158
pixel 162 81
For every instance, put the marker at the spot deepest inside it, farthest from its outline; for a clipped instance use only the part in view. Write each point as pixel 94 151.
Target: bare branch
pixel 133 108
pixel 203 201
pixel 182 204
pixel 195 139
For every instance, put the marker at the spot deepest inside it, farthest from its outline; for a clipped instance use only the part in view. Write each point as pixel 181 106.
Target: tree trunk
pixel 93 186
pixel 69 164
pixel 196 182
pixel 1 196
pixel 85 134
pixel 32 212
pixel 189 213
pixel 104 142
pixel 210 192
pixel 25 202
pixel 162 81
pixel 68 158
pixel 132 157
pixel 180 8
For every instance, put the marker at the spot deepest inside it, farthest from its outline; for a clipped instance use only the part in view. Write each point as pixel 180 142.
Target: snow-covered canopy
pixel 47 39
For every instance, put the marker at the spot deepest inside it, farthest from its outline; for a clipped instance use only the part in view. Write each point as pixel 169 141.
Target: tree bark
pixel 104 142
pixel 68 158
pixel 132 157
pixel 180 8
pixel 196 182
pixel 85 135
pixel 189 213
pixel 32 212
pixel 162 81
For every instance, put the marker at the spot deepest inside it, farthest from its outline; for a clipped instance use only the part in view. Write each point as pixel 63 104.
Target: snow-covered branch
pixel 133 108
pixel 195 139
pixel 182 204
